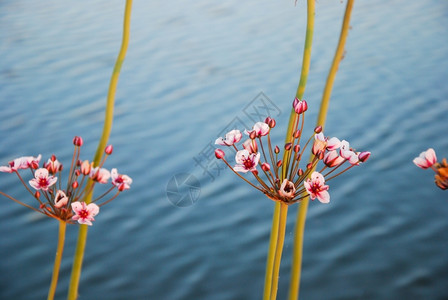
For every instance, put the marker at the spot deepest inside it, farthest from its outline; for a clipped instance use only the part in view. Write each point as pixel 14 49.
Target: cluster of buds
pixel 285 180
pixel 63 202
pixel 428 159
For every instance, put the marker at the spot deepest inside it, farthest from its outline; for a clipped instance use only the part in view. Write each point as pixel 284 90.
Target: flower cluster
pixel 286 181
pixel 428 159
pixel 63 202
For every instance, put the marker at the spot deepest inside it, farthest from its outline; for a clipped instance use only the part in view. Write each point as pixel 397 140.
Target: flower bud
pixel 318 129
pixel 297 134
pixel 272 123
pixel 77 141
pixel 255 172
pixel 265 167
pixel 53 157
pixel 219 153
pixel 86 167
pixel 37 195
pixel 75 184
pixel 288 146
pixel 296 148
pixel 300 106
pixel 300 172
pixel 309 165
pixel 267 120
pixel 77 172
pixel 277 150
pixel 109 149
pixel 279 163
pixel 363 156
pixel 253 135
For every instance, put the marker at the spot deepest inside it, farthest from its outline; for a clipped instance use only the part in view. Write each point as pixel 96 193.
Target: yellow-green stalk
pixel 275 248
pixel 109 113
pixel 57 260
pixel 303 207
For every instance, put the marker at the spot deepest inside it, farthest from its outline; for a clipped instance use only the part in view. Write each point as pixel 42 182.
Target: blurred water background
pixel 193 68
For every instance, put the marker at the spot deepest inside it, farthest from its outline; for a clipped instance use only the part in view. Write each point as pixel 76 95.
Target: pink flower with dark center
pixel 246 162
pixel 259 129
pixel 42 181
pixel 122 182
pixel 287 189
pixel 85 214
pixel 232 137
pixel 60 199
pixel 426 159
pixel 316 188
pixel 101 175
pixel 332 158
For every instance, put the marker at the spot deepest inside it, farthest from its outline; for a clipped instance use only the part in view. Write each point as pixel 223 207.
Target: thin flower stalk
pixel 82 235
pixel 57 260
pixel 296 265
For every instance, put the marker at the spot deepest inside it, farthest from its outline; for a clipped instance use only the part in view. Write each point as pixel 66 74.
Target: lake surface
pixel 193 69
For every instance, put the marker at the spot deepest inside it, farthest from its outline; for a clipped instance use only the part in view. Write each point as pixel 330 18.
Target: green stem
pixel 301 216
pixel 279 250
pixel 279 218
pixel 82 235
pixel 57 260
pixel 271 253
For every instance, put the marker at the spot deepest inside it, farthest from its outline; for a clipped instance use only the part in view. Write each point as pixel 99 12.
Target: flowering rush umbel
pixel 63 201
pixel 285 180
pixel 428 159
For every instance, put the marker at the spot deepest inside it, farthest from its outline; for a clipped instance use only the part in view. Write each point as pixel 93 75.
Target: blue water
pixel 192 69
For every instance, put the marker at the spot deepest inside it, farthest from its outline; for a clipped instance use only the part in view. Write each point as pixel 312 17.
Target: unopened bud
pixel 37 195
pixel 77 172
pixel 267 120
pixel 309 165
pixel 265 167
pixel 219 153
pixel 297 134
pixel 75 184
pixel 53 157
pixel 34 165
pixel 272 123
pixel 253 135
pixel 363 156
pixel 288 146
pixel 109 149
pixel 300 172
pixel 121 187
pixel 296 148
pixel 77 141
pixel 255 172
pixel 318 129
pixel 321 155
pixel 279 163
pixel 277 150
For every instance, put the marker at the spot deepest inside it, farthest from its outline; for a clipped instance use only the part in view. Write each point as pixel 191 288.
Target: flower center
pixel 248 163
pixel 83 213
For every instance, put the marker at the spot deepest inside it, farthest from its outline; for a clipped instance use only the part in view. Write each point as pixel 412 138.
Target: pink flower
pixel 426 159
pixel 122 182
pixel 101 175
pixel 251 146
pixel 53 165
pixel 320 143
pixel 299 106
pixel 219 153
pixel 333 144
pixel 316 188
pixel 84 213
pixel 23 162
pixel 60 199
pixel 259 129
pixel 332 158
pixel 287 189
pixel 42 181
pixel 245 161
pixel 232 137
pixel 346 152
